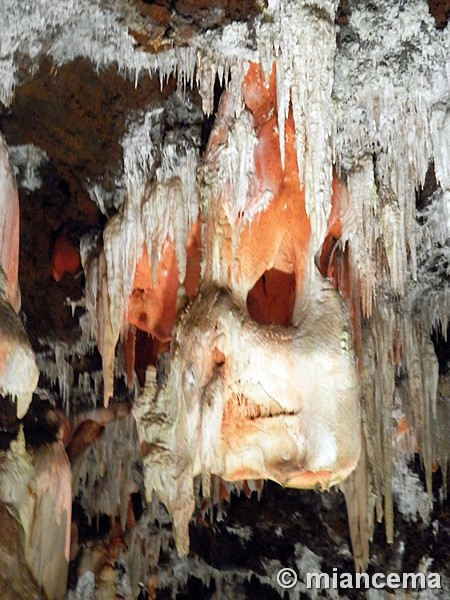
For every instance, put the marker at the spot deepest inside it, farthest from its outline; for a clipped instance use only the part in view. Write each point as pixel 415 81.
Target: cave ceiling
pixel 233 273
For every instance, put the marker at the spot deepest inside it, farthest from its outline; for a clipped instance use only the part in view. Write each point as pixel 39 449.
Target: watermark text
pixel 288 578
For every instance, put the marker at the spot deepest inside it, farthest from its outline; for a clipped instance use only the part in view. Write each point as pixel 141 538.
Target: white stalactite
pixel 36 486
pixel 299 33
pixel 9 226
pixel 18 372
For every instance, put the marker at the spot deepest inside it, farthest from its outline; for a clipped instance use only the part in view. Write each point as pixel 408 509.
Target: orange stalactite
pixel 66 257
pixel 339 205
pixel 106 339
pixel 83 437
pixel 334 262
pixel 153 309
pixel 279 236
pixel 260 97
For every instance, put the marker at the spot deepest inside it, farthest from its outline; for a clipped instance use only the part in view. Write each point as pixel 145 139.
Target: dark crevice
pixel 423 196
pixel 440 10
pixel 272 298
pixel 209 120
pixel 442 349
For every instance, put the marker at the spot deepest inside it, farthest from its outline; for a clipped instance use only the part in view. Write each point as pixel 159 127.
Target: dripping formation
pixel 259 309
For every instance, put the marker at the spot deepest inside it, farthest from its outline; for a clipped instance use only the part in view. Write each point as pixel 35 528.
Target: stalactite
pixel 9 227
pixel 172 431
pixel 386 131
pixel 28 160
pixel 55 362
pixel 103 474
pixel 18 370
pixel 109 311
pixel 164 208
pixel 298 33
pixel 130 354
pixel 357 494
pixel 382 116
pixel 36 486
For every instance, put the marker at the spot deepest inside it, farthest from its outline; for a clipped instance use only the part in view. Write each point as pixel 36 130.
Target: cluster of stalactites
pixel 36 487
pixel 391 123
pixel 386 245
pixel 379 227
pixel 161 206
pixel 298 34
pixel 390 255
pixel 103 475
pixel 398 266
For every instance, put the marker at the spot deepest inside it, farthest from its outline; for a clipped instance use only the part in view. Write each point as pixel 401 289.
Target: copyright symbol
pixel 286 578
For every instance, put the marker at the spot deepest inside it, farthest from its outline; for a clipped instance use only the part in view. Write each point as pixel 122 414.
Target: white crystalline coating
pixel 360 228
pixel 123 236
pixel 27 160
pixel 140 150
pixel 66 30
pixel 430 297
pixel 390 70
pixel 299 33
pixel 123 243
pixel 440 130
pixel 103 475
pixel 391 93
pixel 410 496
pixel 161 203
pixel 231 165
pixel 102 198
pixel 434 228
pixel 55 361
pixel 171 205
pixel 60 371
pixel 85 589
